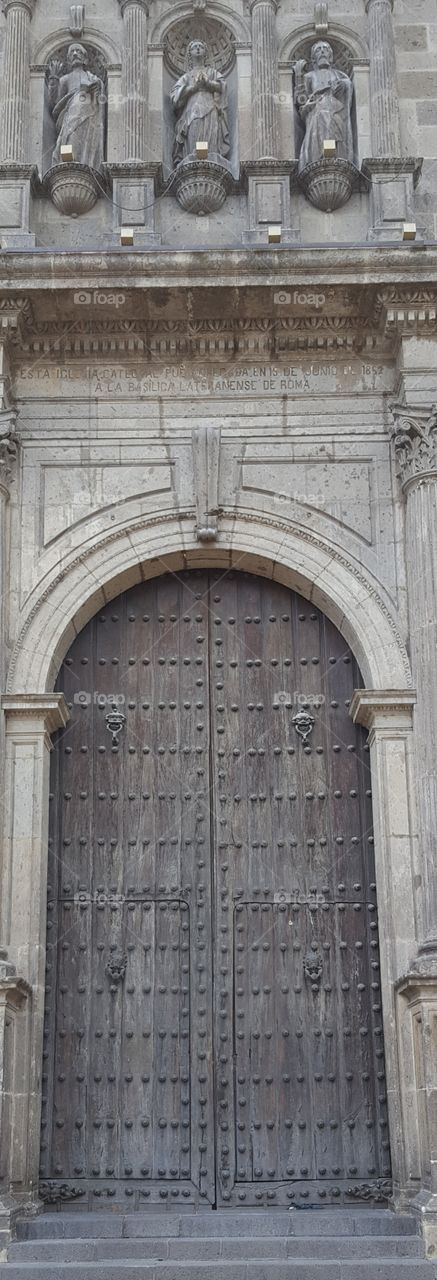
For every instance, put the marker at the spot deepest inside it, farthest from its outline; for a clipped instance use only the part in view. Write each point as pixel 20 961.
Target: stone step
pixel 339 1223
pixel 213 1250
pixel 295 1269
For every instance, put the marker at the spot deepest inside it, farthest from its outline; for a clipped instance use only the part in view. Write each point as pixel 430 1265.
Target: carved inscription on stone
pixel 189 380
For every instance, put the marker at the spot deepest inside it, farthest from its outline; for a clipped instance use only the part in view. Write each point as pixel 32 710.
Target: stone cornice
pixel 415 443
pixel 51 708
pixel 383 708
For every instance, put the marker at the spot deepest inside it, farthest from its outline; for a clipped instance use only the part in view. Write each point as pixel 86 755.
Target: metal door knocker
pixel 116 967
pixel 304 724
pixel 313 968
pixel 115 721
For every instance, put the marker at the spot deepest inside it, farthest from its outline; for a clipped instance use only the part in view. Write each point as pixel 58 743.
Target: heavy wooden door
pixel 213 1021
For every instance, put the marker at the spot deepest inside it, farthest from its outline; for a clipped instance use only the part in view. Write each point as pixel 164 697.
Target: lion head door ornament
pixel 76 99
pixel 199 101
pixel 323 97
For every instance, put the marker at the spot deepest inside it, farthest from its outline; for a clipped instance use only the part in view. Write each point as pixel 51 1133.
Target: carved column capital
pixel 415 443
pixel 28 5
pixel 134 4
pixel 272 4
pixel 387 3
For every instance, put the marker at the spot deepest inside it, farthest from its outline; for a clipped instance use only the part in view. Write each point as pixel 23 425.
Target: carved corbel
pixel 415 443
pixel 321 22
pixel 77 20
pixel 206 468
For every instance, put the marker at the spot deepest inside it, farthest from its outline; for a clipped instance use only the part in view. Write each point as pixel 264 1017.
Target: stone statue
pixel 77 104
pixel 323 98
pixel 199 102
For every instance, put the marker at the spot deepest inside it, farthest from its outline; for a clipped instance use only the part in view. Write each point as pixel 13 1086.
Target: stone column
pixel 415 442
pixel 388 715
pixel 30 719
pixel 15 1008
pixel 8 462
pixel 265 78
pixel 386 133
pixel 393 177
pixel 134 78
pixel 16 80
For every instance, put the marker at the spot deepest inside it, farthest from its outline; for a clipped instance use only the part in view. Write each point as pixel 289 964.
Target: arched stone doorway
pixel 213 1011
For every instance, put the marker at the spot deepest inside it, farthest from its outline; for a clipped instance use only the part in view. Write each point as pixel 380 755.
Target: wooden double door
pixel 213 1028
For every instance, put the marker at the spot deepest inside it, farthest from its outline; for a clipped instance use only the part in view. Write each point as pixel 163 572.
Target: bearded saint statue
pixel 323 99
pixel 77 105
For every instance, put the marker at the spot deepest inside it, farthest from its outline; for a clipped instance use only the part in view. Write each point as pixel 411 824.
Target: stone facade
pixel 205 397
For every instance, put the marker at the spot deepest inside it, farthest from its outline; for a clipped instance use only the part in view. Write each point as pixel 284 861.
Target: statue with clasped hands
pixel 199 101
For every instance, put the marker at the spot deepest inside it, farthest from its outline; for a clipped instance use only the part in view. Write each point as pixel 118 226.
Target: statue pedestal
pixel 268 186
pixel 392 182
pixel 201 186
pixel 328 184
pixel 16 185
pixel 73 188
pixel 134 198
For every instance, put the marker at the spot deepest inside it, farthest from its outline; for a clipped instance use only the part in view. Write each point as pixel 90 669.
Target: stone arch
pixel 48 47
pixel 341 38
pixel 338 585
pixel 220 12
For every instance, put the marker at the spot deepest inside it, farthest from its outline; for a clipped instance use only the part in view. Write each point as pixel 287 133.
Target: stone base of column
pixel 134 200
pixel 392 182
pixel 269 202
pixel 16 185
pixel 417 993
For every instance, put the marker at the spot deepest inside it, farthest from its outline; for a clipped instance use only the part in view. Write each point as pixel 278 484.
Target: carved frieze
pixel 415 443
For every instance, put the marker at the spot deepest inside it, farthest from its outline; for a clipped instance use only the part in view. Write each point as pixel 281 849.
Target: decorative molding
pixel 283 527
pixel 415 443
pixel 50 707
pixel 383 708
pixel 266 337
pixel 206 467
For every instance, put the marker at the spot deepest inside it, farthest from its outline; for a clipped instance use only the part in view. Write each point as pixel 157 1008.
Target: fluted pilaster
pixel 386 137
pixel 265 78
pixel 415 441
pixel 134 77
pixel 16 79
